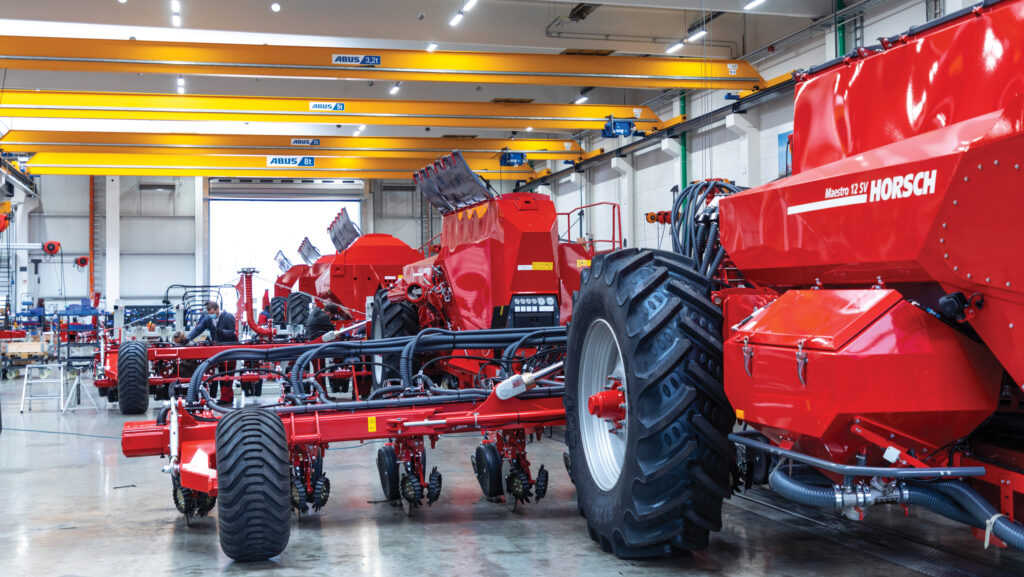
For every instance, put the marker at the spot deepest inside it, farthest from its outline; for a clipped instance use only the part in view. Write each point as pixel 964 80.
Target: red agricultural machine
pixel 467 359
pixel 132 371
pixel 360 265
pixel 500 263
pixel 861 319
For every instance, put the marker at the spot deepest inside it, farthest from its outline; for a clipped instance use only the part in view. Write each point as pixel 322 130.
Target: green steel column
pixel 840 31
pixel 682 142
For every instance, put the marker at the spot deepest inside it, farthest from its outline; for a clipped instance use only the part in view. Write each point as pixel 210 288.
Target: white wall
pixel 62 215
pixel 157 237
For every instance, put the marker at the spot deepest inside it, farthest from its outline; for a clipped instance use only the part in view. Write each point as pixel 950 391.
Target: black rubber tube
pixel 448 340
pixel 930 499
pixel 982 511
pixel 790 488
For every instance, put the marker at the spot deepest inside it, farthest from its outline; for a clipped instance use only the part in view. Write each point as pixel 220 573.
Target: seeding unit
pixel 859 319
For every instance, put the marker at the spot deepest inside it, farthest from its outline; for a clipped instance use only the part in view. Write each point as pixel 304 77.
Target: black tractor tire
pixel 133 377
pixel 298 308
pixel 387 469
pixel 677 458
pixel 390 319
pixel 279 311
pixel 254 501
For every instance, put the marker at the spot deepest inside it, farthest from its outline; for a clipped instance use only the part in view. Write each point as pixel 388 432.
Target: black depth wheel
pixel 643 322
pixel 390 319
pixel 254 501
pixel 487 467
pixel 133 377
pixel 387 467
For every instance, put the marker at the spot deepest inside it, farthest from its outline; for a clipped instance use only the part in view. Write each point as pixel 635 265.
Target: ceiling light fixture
pixel 181 81
pixel 753 4
pixel 432 47
pixel 175 5
pixel 181 90
pixel 529 129
pixel 394 89
pixel 122 1
pixel 275 7
pixel 674 48
pixel 456 19
pixel 356 133
pixel 468 5
pixel 361 128
pixel 697 35
pixel 583 98
pixel 176 20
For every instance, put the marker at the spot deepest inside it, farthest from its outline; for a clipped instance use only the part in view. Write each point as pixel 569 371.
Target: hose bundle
pixel 694 224
pixel 426 341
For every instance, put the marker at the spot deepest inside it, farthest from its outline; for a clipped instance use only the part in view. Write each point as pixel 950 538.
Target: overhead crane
pixel 35 141
pixel 149 57
pixel 485 115
pixel 298 165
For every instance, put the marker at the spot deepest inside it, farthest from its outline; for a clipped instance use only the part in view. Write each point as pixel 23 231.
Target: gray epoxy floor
pixel 73 505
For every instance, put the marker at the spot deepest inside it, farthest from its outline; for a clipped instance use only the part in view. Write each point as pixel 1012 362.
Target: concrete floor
pixel 73 505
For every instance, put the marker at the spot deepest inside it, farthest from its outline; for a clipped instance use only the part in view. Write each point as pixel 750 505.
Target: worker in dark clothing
pixel 221 326
pixel 320 321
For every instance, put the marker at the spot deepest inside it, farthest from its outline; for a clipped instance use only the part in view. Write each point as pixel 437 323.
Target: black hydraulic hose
pixel 161 417
pixel 212 404
pixel 705 259
pixel 951 499
pixel 370 404
pixel 981 510
pixel 702 236
pixel 930 499
pixel 536 338
pixel 790 488
pixel 405 361
pixel 719 257
pixel 543 392
pixel 385 391
pixel 448 340
pixel 321 391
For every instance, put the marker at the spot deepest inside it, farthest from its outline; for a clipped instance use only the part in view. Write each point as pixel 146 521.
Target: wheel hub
pixel 609 405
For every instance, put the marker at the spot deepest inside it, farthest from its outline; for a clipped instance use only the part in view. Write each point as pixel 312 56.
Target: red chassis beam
pixel 321 427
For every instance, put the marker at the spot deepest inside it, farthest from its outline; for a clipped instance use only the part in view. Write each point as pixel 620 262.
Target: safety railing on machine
pixel 592 244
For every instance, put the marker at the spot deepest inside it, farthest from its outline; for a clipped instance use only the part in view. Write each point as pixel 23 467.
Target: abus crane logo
pixel 895 187
pixel 291 161
pixel 305 142
pixel 355 60
pixel 327 106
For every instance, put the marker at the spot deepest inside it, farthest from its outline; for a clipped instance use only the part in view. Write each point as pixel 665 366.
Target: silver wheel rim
pixel 378 360
pixel 600 363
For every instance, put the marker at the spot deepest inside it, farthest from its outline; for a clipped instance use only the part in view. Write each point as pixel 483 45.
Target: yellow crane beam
pixel 132 56
pixel 32 141
pixel 269 166
pixel 492 115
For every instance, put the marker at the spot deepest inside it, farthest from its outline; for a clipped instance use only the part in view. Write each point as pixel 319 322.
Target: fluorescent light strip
pixel 697 35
